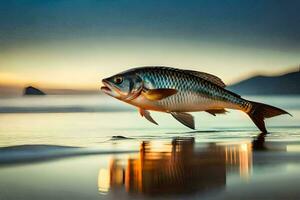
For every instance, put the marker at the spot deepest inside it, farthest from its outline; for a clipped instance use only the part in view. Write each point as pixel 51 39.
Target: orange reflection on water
pixel 178 167
pixel 103 180
pixel 239 156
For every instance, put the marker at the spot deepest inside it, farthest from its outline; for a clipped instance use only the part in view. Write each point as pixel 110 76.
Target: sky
pixel 74 44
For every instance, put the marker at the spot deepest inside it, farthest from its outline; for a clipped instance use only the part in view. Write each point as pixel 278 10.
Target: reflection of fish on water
pixel 178 91
pixel 177 168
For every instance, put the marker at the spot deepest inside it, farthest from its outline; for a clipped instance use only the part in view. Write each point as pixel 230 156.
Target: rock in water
pixel 33 91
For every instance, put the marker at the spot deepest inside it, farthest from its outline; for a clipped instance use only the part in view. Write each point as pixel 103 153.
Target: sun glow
pixel 81 64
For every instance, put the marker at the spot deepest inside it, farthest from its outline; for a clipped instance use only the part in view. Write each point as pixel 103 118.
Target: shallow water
pixel 102 149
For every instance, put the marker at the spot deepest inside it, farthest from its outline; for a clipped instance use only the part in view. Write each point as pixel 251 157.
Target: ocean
pixel 95 147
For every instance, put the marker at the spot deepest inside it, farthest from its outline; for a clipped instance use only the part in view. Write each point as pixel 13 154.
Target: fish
pixel 180 92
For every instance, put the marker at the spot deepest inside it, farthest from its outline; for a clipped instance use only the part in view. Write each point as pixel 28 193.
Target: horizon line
pixel 93 89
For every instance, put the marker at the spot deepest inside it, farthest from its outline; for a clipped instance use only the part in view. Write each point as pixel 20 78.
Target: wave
pixel 37 153
pixel 119 137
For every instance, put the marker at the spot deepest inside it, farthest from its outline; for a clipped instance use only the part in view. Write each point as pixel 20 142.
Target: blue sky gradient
pixel 207 35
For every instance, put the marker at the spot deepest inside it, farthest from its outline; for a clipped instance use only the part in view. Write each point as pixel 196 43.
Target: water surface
pixel 93 147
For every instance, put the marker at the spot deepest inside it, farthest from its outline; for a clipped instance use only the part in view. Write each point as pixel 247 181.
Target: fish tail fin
pixel 259 111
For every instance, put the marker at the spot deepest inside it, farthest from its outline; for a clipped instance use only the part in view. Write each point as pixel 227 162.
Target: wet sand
pixel 177 168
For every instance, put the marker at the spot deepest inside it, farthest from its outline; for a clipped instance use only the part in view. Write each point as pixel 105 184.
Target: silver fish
pixel 178 91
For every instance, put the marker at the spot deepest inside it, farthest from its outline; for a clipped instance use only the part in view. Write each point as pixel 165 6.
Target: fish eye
pixel 118 80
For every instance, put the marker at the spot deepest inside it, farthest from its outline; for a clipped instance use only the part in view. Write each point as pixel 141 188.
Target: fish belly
pixel 193 102
pixel 183 102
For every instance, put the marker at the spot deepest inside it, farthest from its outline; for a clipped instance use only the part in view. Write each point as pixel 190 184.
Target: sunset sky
pixel 74 44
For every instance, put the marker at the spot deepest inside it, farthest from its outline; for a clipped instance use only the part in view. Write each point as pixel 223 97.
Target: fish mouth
pixel 107 87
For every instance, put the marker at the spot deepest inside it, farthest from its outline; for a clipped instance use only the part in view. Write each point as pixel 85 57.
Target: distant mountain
pixel 33 91
pixel 269 85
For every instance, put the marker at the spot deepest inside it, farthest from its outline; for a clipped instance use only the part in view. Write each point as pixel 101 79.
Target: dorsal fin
pixel 209 77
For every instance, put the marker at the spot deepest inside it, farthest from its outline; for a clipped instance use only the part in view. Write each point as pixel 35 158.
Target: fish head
pixel 123 86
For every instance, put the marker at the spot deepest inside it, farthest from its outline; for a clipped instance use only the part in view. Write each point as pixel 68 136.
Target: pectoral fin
pixel 158 94
pixel 216 111
pixel 184 118
pixel 146 114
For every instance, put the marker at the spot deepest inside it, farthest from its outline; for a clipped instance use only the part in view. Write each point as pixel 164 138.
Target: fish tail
pixel 259 111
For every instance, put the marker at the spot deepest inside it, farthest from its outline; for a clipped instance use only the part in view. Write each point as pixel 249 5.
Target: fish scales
pixel 193 92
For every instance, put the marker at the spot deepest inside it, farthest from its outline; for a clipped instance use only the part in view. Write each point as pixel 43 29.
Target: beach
pixel 93 147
